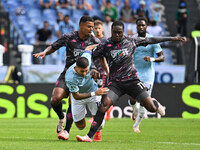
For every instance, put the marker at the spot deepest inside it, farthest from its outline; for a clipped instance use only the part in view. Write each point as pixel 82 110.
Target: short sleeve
pixel 157 48
pixel 60 42
pixel 72 87
pixel 140 41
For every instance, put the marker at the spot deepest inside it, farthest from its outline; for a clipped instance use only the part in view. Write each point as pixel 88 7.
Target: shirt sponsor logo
pixel 121 52
pixel 78 52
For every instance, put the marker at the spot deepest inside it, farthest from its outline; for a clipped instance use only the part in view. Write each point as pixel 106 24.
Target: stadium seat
pixel 29 3
pixel 34 17
pixel 65 11
pixel 49 13
pixel 27 26
pixel 37 22
pixel 95 12
pixel 32 41
pixel 21 20
pixel 34 13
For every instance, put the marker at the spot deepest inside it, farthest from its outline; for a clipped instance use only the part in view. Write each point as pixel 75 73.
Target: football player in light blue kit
pixel 144 63
pixel 84 91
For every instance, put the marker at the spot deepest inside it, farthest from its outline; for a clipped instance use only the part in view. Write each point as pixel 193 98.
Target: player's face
pixel 117 33
pixel 141 27
pixel 82 71
pixel 87 28
pixel 98 30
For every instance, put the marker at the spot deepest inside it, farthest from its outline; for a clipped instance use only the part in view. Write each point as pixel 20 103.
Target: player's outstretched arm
pixel 154 40
pixel 91 47
pixel 47 51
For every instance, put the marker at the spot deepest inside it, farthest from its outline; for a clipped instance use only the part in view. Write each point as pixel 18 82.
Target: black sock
pixel 58 110
pixel 98 118
pixel 155 103
pixel 69 119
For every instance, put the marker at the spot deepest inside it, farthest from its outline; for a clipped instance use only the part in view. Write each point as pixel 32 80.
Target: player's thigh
pixel 115 91
pixel 80 124
pixel 58 93
pixel 137 90
pixel 78 109
pixel 60 84
pixel 93 104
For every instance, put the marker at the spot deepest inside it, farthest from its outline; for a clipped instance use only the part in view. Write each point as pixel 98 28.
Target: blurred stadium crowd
pixel 29 16
pixel 41 22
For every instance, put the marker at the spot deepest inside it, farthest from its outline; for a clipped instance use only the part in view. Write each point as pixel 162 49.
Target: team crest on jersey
pixel 109 45
pixel 82 44
pixel 121 52
pixel 72 87
pixel 74 40
pixel 78 52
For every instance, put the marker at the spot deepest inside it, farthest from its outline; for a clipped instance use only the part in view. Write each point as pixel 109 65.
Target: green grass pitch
pixel 157 134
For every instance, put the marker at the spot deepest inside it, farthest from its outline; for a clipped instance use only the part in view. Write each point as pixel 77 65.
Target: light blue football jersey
pixel 77 83
pixel 146 70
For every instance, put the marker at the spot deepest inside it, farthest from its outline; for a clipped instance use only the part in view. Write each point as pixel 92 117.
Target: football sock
pixel 140 116
pixel 58 110
pixel 69 119
pixel 132 105
pixel 155 104
pixel 98 118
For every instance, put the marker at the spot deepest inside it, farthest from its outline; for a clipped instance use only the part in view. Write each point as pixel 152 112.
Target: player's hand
pixel 42 55
pixel 107 74
pixel 101 91
pixel 91 47
pixel 183 39
pixel 95 74
pixel 147 58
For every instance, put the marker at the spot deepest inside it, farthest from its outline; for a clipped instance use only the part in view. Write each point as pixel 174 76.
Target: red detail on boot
pixel 108 113
pixel 97 136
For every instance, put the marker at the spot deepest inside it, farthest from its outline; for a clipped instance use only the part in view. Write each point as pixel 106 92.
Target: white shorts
pixel 79 107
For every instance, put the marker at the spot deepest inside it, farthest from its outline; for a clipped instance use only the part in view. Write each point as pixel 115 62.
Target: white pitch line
pixel 172 143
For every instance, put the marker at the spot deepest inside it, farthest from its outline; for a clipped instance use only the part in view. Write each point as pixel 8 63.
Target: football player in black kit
pixel 118 51
pixel 75 43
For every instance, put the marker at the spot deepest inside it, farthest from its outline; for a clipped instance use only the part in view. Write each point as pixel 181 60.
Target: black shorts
pixel 61 83
pixel 134 88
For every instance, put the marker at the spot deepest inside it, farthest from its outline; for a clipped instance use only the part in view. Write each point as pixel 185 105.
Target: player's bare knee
pixel 132 101
pixel 57 95
pixel 80 128
pixel 56 100
pixel 80 124
pixel 104 107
